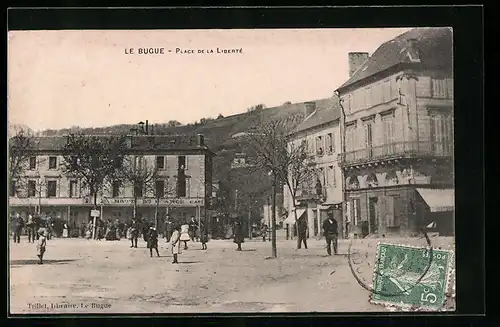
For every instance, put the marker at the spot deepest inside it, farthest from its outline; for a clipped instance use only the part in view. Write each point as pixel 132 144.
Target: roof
pixel 435 46
pixel 327 110
pixel 138 142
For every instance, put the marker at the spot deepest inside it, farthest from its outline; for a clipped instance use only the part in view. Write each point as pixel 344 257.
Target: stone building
pixel 398 132
pixel 320 131
pixel 183 182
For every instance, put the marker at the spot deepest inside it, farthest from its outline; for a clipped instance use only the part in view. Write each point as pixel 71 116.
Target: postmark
pixel 411 277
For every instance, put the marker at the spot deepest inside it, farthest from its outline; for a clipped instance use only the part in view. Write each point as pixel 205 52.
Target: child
pixel 153 241
pixel 175 243
pixel 40 246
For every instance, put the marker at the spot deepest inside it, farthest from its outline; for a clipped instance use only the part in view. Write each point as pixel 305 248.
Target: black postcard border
pixel 467 24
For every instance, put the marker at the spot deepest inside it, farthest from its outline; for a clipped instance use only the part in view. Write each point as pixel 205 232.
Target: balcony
pixel 396 151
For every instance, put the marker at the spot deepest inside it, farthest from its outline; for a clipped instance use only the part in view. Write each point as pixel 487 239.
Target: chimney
pixel 201 140
pixel 147 127
pixel 310 107
pixel 412 50
pixel 356 59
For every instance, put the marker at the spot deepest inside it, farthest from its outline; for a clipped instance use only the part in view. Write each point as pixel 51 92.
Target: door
pixel 373 214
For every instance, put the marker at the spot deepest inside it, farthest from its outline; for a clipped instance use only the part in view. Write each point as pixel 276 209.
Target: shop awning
pixel 290 220
pixel 438 200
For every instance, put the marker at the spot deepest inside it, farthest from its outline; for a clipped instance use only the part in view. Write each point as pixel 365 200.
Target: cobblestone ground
pixel 109 277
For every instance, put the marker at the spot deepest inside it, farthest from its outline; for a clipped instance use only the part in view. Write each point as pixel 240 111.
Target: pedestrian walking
pixel 41 245
pixel 30 226
pixel 168 229
pixel 238 234
pixel 203 236
pixel 175 243
pixel 134 233
pixel 330 229
pixel 263 231
pixel 185 235
pixel 17 225
pixel 302 232
pixel 153 241
pixel 193 228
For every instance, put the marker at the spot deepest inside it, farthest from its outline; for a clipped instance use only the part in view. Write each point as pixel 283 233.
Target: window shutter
pixel 449 86
pixel 390 211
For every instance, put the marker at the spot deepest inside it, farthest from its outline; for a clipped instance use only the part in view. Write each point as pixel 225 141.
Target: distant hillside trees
pixel 173 123
pixel 257 107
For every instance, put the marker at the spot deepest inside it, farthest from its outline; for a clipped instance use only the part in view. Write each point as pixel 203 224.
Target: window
pixel 160 162
pixel 72 189
pixel 351 138
pixel 388 134
pixel 118 162
pixel 13 191
pixel 368 135
pixel 322 177
pixel 181 163
pixel 319 145
pixel 441 133
pixel 51 189
pixel 52 162
pixel 439 88
pixel 139 162
pixel 329 143
pixel 138 188
pixel 32 163
pixel 115 189
pixel 74 163
pixel 331 176
pixel 31 189
pixel 181 186
pixel 160 189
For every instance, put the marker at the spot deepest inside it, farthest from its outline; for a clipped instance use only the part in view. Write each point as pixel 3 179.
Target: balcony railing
pixel 400 149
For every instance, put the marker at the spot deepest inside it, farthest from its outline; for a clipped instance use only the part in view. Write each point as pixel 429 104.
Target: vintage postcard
pixel 220 171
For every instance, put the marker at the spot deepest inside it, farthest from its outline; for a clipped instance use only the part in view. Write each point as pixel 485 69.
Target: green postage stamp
pixel 411 277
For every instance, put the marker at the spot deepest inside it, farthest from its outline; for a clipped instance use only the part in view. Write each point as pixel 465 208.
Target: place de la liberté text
pixel 162 51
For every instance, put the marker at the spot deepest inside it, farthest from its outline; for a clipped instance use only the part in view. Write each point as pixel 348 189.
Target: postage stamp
pixel 411 277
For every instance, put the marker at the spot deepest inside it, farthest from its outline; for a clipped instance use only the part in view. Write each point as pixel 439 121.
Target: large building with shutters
pixel 183 182
pixel 398 132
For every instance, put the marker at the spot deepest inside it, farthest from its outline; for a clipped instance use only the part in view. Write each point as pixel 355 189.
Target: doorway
pixel 373 214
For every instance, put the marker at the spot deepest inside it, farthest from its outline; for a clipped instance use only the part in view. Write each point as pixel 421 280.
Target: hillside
pixel 217 132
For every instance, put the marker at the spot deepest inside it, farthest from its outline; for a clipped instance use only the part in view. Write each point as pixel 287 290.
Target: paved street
pixel 109 277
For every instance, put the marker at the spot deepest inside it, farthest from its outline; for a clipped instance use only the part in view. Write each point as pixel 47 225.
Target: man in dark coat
pixel 238 234
pixel 134 233
pixel 153 241
pixel 302 232
pixel 17 225
pixel 193 229
pixel 330 229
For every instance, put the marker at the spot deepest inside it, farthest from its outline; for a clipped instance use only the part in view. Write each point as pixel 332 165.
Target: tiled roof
pixel 138 142
pixel 327 110
pixel 435 46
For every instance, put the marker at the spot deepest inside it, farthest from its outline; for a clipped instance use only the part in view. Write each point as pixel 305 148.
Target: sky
pixel 60 79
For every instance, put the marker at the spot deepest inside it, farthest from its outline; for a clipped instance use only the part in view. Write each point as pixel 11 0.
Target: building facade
pixel 398 131
pixel 320 132
pixel 182 185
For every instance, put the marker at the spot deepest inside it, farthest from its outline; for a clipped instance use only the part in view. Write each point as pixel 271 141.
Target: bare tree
pixel 142 175
pixel 95 160
pixel 289 163
pixel 21 146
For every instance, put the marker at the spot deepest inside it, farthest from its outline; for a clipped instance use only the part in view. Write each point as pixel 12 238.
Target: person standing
pixel 185 235
pixel 203 236
pixel 18 225
pixel 168 229
pixel 31 229
pixel 153 241
pixel 263 231
pixel 193 228
pixel 330 229
pixel 41 245
pixel 238 234
pixel 175 243
pixel 134 233
pixel 302 232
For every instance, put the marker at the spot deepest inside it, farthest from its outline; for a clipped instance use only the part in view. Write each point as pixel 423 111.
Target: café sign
pixel 177 202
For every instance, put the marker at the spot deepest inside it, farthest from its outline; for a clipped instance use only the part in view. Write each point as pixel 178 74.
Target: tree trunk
pixel 135 207
pixel 94 232
pixel 273 220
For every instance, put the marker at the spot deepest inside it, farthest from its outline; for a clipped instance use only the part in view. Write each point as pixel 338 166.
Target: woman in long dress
pixel 185 237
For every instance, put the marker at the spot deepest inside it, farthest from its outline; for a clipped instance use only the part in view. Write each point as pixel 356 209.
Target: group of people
pixel 330 231
pixel 32 224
